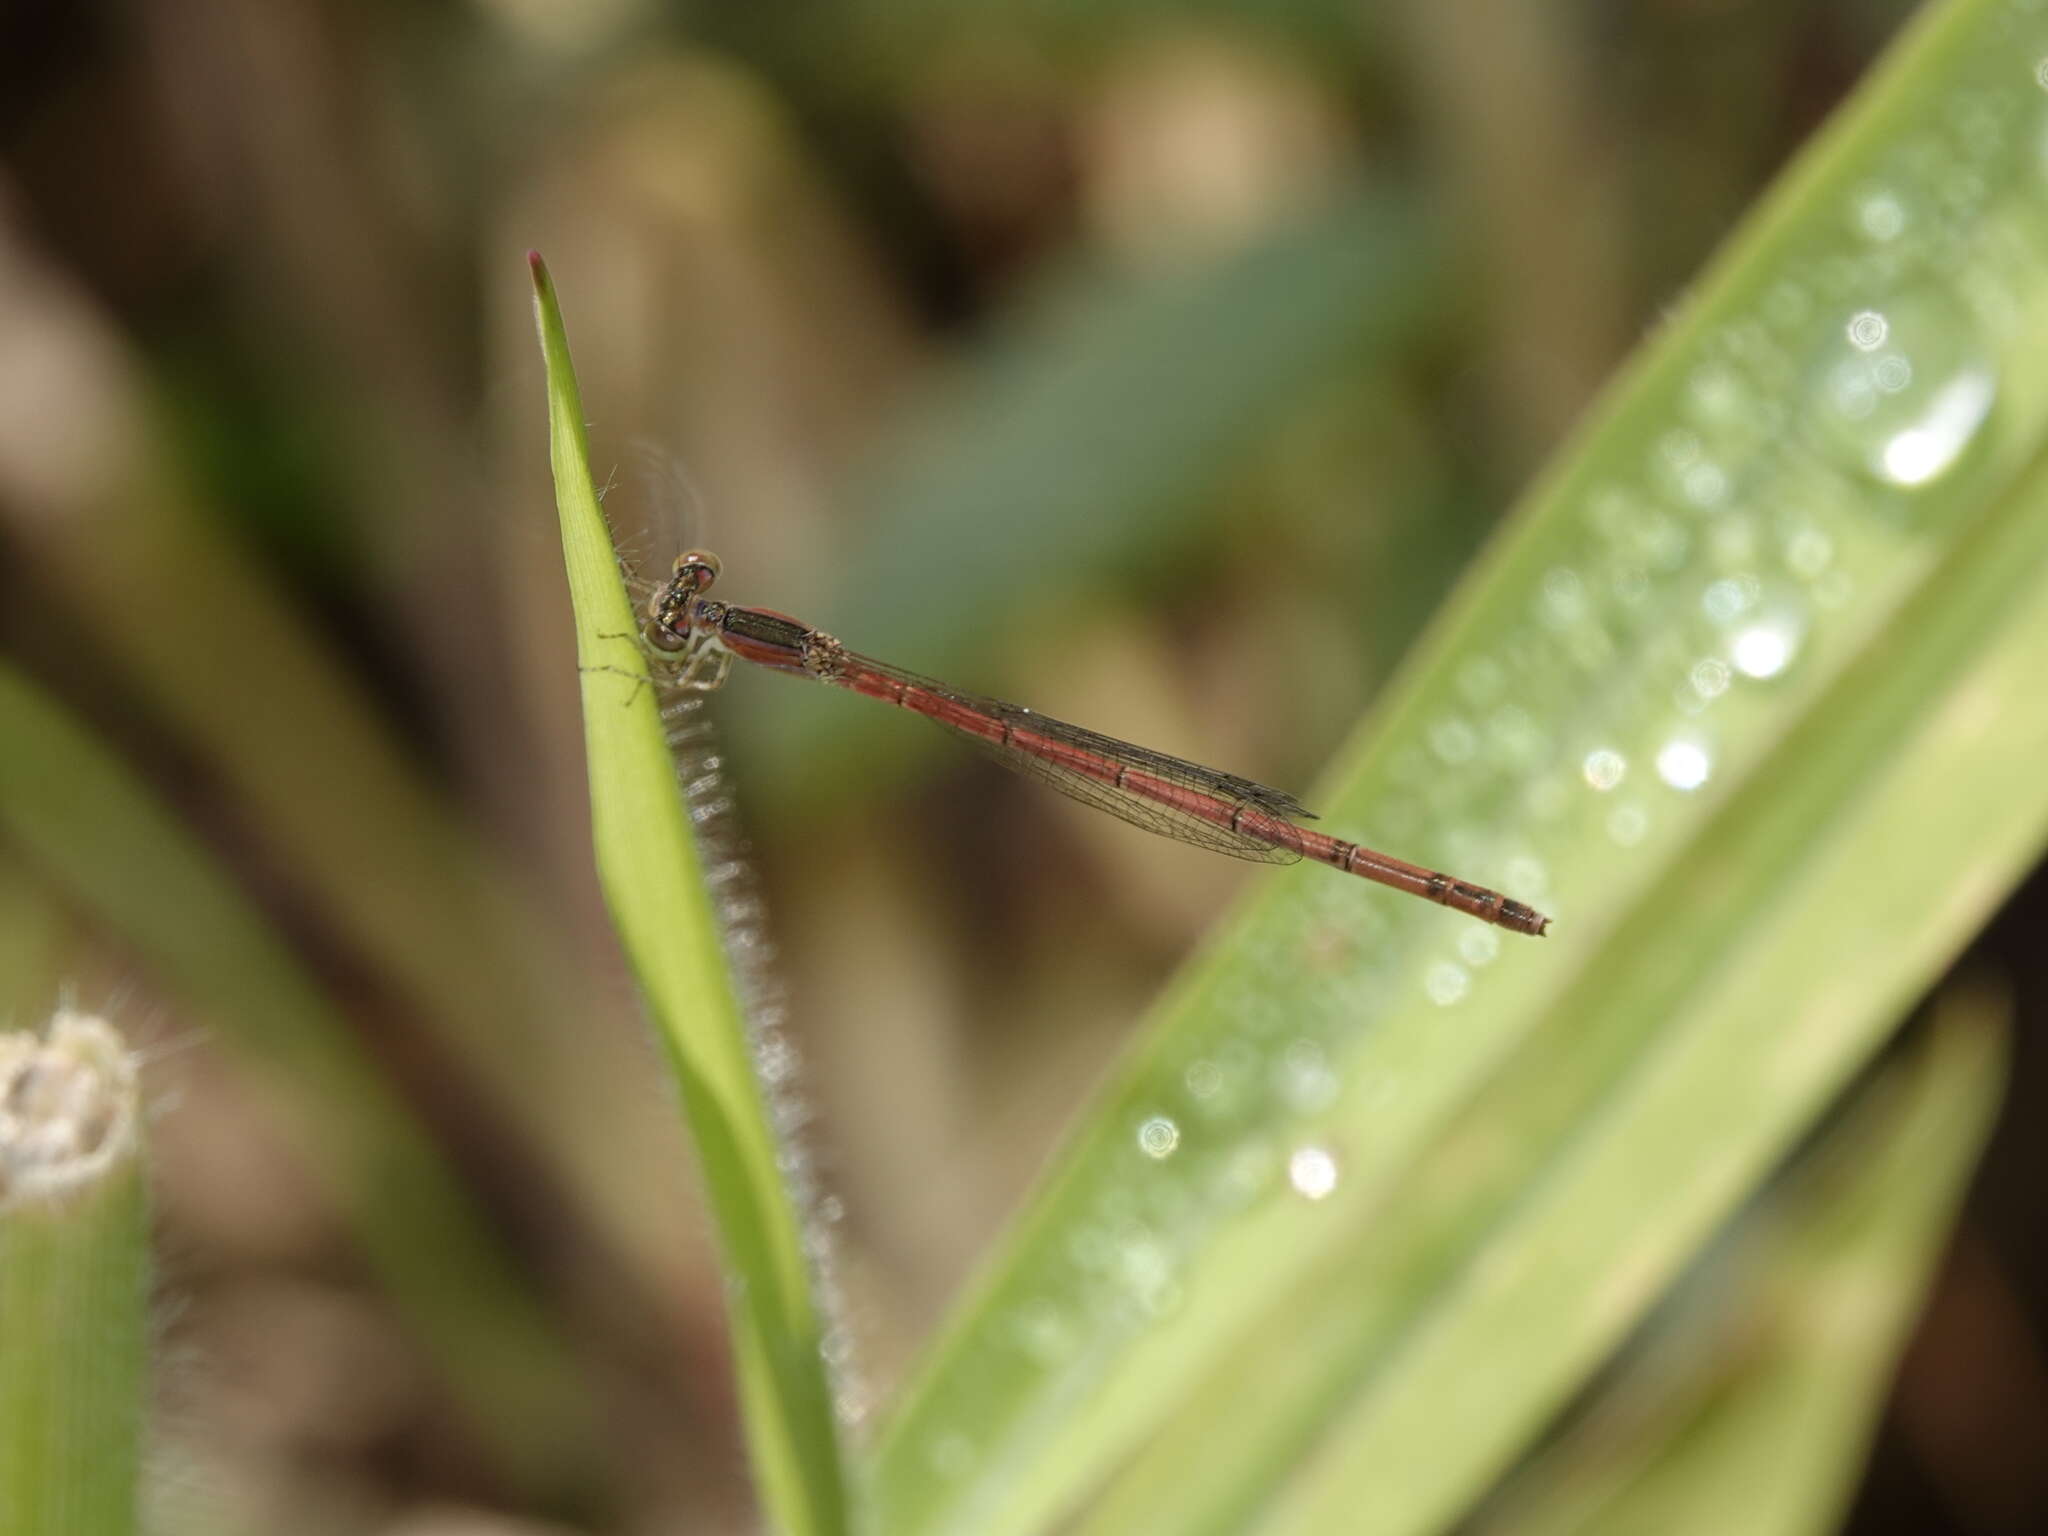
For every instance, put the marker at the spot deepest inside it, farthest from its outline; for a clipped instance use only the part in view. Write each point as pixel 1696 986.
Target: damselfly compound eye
pixel 663 612
pixel 697 569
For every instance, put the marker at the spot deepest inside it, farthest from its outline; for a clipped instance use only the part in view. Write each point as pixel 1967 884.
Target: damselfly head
pixel 668 611
pixel 696 569
pixel 668 618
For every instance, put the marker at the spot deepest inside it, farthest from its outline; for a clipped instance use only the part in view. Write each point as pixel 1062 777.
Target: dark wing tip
pixel 1274 802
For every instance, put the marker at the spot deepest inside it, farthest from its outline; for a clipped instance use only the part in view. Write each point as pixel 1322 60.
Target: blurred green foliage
pixel 1159 365
pixel 74 1267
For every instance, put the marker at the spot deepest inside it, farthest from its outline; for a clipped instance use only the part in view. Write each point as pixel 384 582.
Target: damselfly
pixel 1162 794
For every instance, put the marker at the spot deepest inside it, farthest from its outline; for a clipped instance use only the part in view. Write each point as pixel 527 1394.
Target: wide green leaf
pixel 1743 697
pixel 1751 1404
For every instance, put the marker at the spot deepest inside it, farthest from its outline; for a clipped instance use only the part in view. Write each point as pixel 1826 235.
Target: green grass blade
pixel 1741 699
pixel 647 863
pixel 74 1280
pixel 78 815
pixel 1751 1408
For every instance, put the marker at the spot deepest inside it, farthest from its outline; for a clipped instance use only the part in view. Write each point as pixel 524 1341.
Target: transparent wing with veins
pixel 652 505
pixel 1104 794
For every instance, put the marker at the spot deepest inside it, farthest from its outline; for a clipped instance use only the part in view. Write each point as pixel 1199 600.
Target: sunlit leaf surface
pixel 1754 1398
pixel 1740 699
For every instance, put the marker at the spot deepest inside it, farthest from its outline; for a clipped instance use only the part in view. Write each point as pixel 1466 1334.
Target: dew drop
pixel 1764 623
pixel 1516 737
pixel 1089 1248
pixel 1760 652
pixel 1305 1079
pixel 1604 768
pixel 1834 589
pixel 1709 677
pixel 1728 599
pixel 1681 462
pixel 1715 393
pixel 1631 586
pixel 1204 1079
pixel 1704 484
pixel 1809 552
pixel 1663 542
pixel 1918 453
pixel 1766 647
pixel 1042 1332
pixel 1246 1175
pixel 1903 389
pixel 1963 190
pixel 1146 1269
pixel 1446 983
pixel 1453 740
pixel 1611 513
pixel 1564 597
pixel 1158 1137
pixel 1879 214
pixel 1312 1171
pixel 1627 824
pixel 1481 679
pixel 1679 450
pixel 1683 764
pixel 1479 946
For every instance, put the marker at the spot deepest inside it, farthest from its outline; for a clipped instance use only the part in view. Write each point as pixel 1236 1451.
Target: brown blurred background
pixel 892 285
